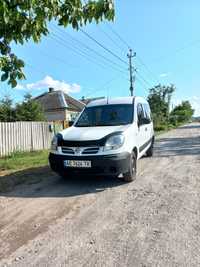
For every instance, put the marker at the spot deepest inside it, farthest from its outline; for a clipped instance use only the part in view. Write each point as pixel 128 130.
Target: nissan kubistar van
pixel 107 138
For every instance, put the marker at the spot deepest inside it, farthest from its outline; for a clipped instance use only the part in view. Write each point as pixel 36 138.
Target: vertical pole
pixel 130 55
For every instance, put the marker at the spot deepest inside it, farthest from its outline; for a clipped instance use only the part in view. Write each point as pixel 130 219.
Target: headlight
pixel 114 142
pixel 54 143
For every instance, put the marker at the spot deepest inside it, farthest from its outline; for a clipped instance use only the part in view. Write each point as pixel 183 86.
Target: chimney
pixel 51 89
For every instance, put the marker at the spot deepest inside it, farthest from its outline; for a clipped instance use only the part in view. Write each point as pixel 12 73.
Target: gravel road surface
pixel 153 221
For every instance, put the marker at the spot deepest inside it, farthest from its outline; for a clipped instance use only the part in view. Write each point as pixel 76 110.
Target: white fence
pixel 24 136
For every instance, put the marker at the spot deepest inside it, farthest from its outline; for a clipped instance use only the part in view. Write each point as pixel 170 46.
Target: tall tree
pixel 7 113
pixel 21 20
pixel 159 100
pixel 29 110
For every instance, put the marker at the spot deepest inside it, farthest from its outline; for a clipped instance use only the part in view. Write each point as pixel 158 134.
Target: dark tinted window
pixel 147 111
pixel 107 115
pixel 140 112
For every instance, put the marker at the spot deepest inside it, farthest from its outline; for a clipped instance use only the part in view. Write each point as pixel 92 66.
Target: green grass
pixel 24 160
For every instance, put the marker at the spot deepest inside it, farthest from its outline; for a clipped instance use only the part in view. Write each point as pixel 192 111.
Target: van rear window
pixel 107 115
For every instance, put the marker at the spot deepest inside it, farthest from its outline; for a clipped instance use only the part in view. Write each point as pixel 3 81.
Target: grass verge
pixel 24 160
pixel 22 167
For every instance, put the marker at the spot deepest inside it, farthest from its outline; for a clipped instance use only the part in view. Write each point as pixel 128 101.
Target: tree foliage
pixel 22 20
pixel 159 100
pixel 181 113
pixel 6 110
pixel 28 110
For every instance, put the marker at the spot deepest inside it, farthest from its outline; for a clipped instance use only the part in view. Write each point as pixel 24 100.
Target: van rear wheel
pixel 131 174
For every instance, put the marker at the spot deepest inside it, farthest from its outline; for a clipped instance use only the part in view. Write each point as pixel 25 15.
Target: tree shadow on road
pixel 42 182
pixel 177 146
pixel 190 126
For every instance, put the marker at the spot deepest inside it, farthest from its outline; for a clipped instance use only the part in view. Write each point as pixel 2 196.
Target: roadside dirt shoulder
pixel 153 221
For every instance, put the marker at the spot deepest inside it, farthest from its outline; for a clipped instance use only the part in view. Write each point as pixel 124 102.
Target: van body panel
pixel 88 143
pixel 91 133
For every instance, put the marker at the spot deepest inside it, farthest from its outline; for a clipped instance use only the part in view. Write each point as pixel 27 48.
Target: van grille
pixel 81 150
pixel 91 150
pixel 67 150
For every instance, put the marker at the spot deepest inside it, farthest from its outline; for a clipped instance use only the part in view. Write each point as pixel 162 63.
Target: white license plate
pixel 77 163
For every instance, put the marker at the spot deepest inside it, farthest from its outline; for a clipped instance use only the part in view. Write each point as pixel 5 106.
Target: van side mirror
pixel 142 121
pixel 146 120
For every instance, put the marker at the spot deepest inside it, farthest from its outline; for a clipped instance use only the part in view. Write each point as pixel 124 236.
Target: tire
pixel 149 152
pixel 131 174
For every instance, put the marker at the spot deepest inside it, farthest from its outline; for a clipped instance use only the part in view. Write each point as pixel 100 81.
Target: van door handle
pixel 146 129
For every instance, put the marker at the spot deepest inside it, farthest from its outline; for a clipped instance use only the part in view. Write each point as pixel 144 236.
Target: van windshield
pixel 107 115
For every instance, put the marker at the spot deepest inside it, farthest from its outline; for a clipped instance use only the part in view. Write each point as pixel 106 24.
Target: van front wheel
pixel 149 152
pixel 131 174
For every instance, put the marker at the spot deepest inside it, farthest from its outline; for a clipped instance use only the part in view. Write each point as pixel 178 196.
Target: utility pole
pixel 130 55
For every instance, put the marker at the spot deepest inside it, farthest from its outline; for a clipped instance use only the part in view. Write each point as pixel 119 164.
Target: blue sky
pixel 164 34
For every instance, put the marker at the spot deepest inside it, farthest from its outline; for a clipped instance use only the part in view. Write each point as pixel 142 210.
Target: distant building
pixel 88 100
pixel 59 106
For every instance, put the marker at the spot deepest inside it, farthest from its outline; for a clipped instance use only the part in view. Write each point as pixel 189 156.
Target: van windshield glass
pixel 107 115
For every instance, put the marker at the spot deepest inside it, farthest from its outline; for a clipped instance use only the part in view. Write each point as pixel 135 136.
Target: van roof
pixel 116 100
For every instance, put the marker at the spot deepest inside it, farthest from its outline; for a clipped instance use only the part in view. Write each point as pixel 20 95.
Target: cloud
pixel 163 75
pixel 48 81
pixel 20 87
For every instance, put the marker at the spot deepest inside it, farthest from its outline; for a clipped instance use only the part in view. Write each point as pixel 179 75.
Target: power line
pixel 143 85
pixel 102 88
pixel 112 40
pixel 147 68
pixel 44 53
pixel 85 55
pixel 131 79
pixel 127 45
pixel 118 36
pixel 102 46
pixel 143 79
pixel 81 44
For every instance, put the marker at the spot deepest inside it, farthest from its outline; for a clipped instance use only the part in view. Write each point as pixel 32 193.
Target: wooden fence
pixel 25 136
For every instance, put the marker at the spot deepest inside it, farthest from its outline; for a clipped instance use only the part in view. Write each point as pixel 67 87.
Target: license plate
pixel 77 163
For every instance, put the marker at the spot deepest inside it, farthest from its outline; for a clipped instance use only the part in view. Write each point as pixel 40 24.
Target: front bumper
pixel 111 165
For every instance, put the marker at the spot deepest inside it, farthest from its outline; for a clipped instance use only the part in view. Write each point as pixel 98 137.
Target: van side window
pixel 140 112
pixel 147 111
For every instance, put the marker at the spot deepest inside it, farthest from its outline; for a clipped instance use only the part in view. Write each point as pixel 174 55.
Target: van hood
pixel 90 133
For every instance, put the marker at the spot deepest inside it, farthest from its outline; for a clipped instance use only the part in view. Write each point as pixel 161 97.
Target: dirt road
pixel 154 221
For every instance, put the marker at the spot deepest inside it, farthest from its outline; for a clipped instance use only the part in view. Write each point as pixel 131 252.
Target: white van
pixel 107 138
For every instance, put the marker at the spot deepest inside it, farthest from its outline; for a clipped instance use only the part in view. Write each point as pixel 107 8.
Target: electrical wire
pixel 112 40
pixel 103 87
pixel 102 46
pixel 139 58
pixel 118 36
pixel 44 53
pixel 63 43
pixel 144 80
pixel 81 45
pixel 148 70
